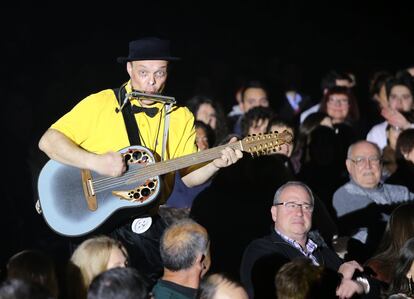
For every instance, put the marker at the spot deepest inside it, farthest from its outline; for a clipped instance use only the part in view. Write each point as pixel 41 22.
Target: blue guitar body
pixel 75 202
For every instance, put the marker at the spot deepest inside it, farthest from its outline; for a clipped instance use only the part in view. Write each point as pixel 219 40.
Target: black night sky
pixel 57 52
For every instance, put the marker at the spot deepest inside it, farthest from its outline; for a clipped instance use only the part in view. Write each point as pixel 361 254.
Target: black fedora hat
pixel 149 48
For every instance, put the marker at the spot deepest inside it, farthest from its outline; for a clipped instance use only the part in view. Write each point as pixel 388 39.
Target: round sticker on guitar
pixel 141 225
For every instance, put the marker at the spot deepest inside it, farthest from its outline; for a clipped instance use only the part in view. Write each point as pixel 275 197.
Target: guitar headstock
pixel 265 144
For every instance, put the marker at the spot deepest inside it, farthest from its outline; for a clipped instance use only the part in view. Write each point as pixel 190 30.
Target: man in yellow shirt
pixel 89 136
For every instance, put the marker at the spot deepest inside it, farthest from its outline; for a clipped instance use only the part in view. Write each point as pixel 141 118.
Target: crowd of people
pixel 325 209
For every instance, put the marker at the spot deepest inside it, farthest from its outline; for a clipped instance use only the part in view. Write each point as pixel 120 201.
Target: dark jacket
pixel 265 256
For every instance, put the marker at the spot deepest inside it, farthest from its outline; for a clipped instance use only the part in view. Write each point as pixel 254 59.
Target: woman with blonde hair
pixel 92 257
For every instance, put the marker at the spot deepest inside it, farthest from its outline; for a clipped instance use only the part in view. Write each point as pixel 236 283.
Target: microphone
pixel 154 97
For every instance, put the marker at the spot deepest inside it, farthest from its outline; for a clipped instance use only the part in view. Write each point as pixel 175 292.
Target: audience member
pixel 404 173
pixel 34 266
pixel 219 286
pixel 402 284
pixel 292 209
pixel 22 289
pixel 400 99
pixel 400 227
pixel 361 203
pixel 92 257
pixel 331 79
pixel 300 279
pixel 118 283
pixel 254 94
pixel 256 120
pixel 210 112
pixel 185 253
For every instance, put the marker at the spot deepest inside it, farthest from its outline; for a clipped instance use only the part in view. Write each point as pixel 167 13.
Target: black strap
pixel 129 117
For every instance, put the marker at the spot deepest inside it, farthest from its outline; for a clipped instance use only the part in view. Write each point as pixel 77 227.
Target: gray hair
pixel 293 183
pixel 181 243
pixel 351 148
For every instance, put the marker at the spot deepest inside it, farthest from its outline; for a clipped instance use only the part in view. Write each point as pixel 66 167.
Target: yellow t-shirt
pixel 94 125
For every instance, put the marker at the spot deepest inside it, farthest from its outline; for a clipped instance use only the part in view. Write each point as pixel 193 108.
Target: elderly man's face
pixel 364 165
pixel 296 222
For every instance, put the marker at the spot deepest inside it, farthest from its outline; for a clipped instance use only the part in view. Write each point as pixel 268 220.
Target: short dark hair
pixel 118 283
pixel 21 289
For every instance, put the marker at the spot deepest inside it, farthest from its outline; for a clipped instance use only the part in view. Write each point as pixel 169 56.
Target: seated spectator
pixel 300 279
pixel 292 215
pixel 363 205
pixel 34 266
pixel 405 161
pixel 182 196
pixel 118 283
pixel 402 284
pixel 92 257
pixel 253 94
pixel 185 253
pixel 218 286
pixel 400 228
pixel 388 154
pixel 210 112
pixel 400 99
pixel 256 120
pixel 22 289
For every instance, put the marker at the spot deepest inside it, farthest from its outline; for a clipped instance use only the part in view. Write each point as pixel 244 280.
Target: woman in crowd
pixel 92 257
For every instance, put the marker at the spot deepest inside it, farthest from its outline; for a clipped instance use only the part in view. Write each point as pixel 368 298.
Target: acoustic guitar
pixel 75 202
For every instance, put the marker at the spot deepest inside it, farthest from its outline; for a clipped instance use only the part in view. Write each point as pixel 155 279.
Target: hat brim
pixel 127 59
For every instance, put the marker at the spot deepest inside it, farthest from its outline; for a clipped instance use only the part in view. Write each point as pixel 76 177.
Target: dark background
pixel 57 52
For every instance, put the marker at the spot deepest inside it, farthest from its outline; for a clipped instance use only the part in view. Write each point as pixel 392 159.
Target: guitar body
pixel 75 202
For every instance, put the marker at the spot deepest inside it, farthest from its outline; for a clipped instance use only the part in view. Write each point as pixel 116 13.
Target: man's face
pixel 364 165
pixel 294 223
pixel 148 76
pixel 400 98
pixel 254 97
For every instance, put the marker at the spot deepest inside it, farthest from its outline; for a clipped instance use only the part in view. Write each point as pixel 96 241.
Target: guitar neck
pixel 167 166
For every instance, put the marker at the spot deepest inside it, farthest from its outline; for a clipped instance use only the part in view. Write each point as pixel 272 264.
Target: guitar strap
pixel 129 118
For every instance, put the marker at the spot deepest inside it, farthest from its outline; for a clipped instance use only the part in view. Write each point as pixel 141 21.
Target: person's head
pixel 185 246
pixel 340 104
pixel 401 225
pixel 400 94
pixel 21 289
pixel 364 163
pixel 219 286
pixel 205 137
pixel 300 279
pixel 334 78
pixel 254 94
pixel 405 145
pixel 118 283
pixel 204 109
pixel 292 210
pixel 147 65
pixel 256 120
pixel 34 266
pixel 377 88
pixel 94 256
pixel 277 125
pixel 402 278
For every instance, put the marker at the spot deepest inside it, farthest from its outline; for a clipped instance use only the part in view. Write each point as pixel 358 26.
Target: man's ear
pixel 129 67
pixel 348 164
pixel 273 211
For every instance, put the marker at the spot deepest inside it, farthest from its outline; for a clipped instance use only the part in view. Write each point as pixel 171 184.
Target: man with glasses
pixel 291 238
pixel 364 203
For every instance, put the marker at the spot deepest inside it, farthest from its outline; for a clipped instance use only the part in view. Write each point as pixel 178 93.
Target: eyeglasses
pixel 359 161
pixel 338 101
pixel 290 205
